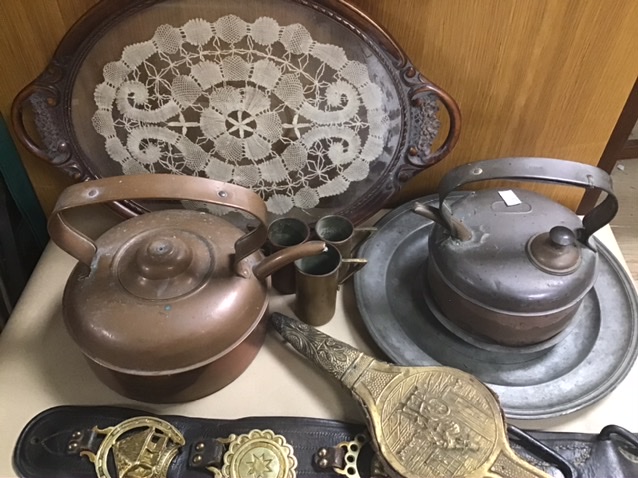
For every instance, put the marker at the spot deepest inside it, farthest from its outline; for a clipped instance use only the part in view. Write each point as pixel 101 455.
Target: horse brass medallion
pixel 146 453
pixel 257 454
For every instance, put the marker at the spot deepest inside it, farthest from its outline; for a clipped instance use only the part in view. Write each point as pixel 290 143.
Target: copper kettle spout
pixel 285 256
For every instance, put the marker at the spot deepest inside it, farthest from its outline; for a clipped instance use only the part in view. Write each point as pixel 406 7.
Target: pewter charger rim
pixel 372 318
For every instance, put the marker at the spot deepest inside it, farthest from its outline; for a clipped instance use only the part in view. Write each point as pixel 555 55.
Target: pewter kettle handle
pixel 548 170
pixel 154 186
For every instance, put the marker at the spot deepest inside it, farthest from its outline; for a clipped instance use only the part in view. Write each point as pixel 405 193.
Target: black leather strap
pixel 605 455
pixel 42 448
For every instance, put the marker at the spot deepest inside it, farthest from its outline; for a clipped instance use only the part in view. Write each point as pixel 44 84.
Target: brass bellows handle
pixel 153 186
pixel 549 170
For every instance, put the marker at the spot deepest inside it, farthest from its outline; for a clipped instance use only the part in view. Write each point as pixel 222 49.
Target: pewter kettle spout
pixel 456 229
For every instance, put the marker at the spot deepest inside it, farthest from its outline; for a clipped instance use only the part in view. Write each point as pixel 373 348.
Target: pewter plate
pixel 590 361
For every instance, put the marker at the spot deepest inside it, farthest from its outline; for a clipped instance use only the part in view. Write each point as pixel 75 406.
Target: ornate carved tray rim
pixel 55 85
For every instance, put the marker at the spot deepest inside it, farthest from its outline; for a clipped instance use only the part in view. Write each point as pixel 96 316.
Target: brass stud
pixel 322 452
pixel 413 151
pixel 323 463
pixel 77 434
pixel 197 459
pixel 72 446
pixel 200 446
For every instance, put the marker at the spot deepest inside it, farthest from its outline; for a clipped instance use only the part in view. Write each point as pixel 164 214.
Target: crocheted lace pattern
pixel 258 104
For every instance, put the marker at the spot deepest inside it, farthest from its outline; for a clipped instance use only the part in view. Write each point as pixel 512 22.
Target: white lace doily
pixel 256 104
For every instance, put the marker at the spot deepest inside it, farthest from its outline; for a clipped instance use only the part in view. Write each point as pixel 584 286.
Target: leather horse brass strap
pixel 323 448
pixel 115 442
pixel 144 447
pixel 425 421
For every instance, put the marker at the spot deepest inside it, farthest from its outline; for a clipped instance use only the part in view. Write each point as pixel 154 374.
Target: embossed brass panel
pixel 425 421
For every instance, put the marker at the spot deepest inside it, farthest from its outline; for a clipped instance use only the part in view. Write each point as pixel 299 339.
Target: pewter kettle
pixel 168 306
pixel 512 266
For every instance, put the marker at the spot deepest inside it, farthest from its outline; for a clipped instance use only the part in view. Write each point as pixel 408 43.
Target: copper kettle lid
pixel 163 264
pixel 161 294
pixel 166 291
pixel 513 250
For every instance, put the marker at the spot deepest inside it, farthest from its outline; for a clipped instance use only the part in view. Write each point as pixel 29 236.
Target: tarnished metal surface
pixel 582 368
pixel 317 280
pixel 543 170
pixel 158 300
pixel 510 264
pixel 283 233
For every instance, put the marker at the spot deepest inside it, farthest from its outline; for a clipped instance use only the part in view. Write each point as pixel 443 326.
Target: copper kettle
pixel 168 306
pixel 509 265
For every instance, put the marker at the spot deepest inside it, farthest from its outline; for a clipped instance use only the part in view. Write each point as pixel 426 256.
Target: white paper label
pixel 510 198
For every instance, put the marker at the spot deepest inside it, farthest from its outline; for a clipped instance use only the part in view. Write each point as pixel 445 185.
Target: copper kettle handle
pixel 528 169
pixel 155 186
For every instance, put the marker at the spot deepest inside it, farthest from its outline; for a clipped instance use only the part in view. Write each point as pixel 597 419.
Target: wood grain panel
pixel 625 224
pixel 532 77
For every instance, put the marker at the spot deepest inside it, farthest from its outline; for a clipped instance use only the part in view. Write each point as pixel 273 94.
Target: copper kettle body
pixel 168 306
pixel 510 266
